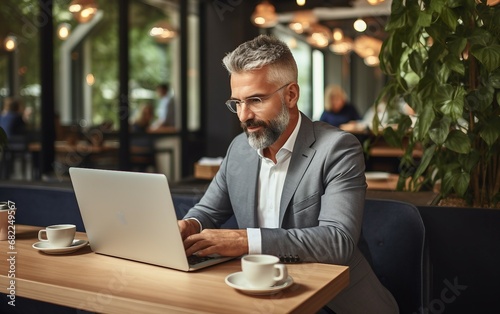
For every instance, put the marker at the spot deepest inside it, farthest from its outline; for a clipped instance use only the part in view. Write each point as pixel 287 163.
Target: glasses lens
pixel 254 103
pixel 232 105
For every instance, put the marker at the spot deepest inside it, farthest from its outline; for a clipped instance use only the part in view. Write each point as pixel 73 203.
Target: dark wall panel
pixel 227 25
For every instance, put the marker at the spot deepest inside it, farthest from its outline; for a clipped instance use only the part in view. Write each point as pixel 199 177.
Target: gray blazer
pixel 321 209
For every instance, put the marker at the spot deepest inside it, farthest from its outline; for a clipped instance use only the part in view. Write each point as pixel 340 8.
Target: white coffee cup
pixel 58 235
pixel 263 271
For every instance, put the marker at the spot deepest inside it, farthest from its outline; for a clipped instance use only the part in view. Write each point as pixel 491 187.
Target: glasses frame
pixel 260 99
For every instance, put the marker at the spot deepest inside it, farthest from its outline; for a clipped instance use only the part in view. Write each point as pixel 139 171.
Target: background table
pixel 99 283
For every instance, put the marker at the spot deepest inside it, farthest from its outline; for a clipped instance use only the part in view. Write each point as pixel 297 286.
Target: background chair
pixel 394 245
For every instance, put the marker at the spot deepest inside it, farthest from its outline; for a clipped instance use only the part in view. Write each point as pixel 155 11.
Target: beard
pixel 270 132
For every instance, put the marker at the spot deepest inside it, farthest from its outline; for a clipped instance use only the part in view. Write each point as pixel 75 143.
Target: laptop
pixel 131 215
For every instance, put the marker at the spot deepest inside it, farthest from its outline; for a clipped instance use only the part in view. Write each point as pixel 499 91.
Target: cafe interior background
pixel 93 67
pixel 86 62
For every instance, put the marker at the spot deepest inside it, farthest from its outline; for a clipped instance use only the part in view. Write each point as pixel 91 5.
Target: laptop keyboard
pixel 193 259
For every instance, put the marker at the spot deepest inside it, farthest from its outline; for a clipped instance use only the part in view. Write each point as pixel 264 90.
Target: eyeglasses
pixel 253 103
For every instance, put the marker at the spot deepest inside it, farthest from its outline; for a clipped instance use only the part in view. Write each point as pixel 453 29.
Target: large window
pixel 311 72
pixel 20 68
pixel 86 60
pixel 93 67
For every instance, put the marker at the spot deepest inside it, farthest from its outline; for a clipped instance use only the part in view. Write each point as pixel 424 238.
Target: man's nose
pixel 245 113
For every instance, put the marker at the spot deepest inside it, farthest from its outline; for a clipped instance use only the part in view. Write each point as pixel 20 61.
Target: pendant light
pixel 83 10
pixel 264 15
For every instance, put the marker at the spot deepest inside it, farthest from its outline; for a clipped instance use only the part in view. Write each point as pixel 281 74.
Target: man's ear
pixel 292 95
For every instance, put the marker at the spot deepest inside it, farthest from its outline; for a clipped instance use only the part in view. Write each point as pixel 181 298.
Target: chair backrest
pixel 394 234
pixel 43 205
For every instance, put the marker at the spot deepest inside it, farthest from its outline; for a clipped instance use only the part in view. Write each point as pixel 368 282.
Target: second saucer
pixel 45 247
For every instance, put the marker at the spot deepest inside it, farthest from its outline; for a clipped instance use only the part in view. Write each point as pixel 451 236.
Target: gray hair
pixel 260 52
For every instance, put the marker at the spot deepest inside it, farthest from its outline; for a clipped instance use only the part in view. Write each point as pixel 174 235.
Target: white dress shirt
pixel 271 180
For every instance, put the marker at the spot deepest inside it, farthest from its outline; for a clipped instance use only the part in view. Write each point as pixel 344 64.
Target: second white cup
pixel 263 271
pixel 58 235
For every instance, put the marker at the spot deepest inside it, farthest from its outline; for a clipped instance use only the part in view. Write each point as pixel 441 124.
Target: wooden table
pixel 104 284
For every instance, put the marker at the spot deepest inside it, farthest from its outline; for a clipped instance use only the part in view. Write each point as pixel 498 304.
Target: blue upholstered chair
pixel 394 237
pixel 43 205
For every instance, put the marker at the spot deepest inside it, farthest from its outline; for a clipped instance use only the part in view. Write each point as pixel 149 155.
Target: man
pixel 296 187
pixel 165 111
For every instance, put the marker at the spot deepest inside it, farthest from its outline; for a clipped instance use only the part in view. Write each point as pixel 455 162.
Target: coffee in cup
pixel 263 271
pixel 58 235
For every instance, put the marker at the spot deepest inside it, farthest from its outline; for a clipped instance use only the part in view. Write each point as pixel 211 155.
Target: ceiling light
pixel 360 25
pixel 341 47
pixel 163 32
pixel 302 21
pixel 83 10
pixel 338 34
pixel 371 61
pixel 264 15
pixel 301 3
pixel 63 31
pixel 366 46
pixel 10 43
pixel 318 36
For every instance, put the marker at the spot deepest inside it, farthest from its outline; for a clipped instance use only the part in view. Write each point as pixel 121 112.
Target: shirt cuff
pixel 199 223
pixel 254 241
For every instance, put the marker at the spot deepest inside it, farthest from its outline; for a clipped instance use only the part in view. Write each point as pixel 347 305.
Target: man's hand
pixel 226 242
pixel 188 227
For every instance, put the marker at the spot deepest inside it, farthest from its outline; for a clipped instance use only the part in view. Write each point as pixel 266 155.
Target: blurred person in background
pixel 11 119
pixel 338 110
pixel 144 118
pixel 165 110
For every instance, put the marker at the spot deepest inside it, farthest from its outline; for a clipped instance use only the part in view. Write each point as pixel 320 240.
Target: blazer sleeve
pixel 214 207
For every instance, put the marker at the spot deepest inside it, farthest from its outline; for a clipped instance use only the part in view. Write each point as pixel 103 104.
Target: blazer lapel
pixel 302 156
pixel 250 169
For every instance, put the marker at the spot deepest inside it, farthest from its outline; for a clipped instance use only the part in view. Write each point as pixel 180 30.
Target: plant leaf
pixel 452 101
pixel 469 161
pixel 481 98
pixel 392 137
pixel 416 61
pixel 488 55
pixel 449 17
pixel 461 183
pixel 437 5
pixel 491 130
pixel 449 180
pixel 480 37
pixel 425 160
pixel 439 130
pixel 398 16
pixel 424 120
pixel 458 142
pixel 424 19
pixel 453 63
pixel 494 79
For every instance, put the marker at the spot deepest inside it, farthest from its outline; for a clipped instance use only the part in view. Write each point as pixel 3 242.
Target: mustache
pixel 252 123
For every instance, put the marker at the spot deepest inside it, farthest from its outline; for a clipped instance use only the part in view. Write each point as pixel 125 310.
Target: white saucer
pixel 237 281
pixel 377 175
pixel 45 247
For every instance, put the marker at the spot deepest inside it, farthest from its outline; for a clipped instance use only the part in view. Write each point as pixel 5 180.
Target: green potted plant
pixel 442 57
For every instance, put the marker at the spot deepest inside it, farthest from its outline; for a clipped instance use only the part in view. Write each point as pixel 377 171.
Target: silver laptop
pixel 131 215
